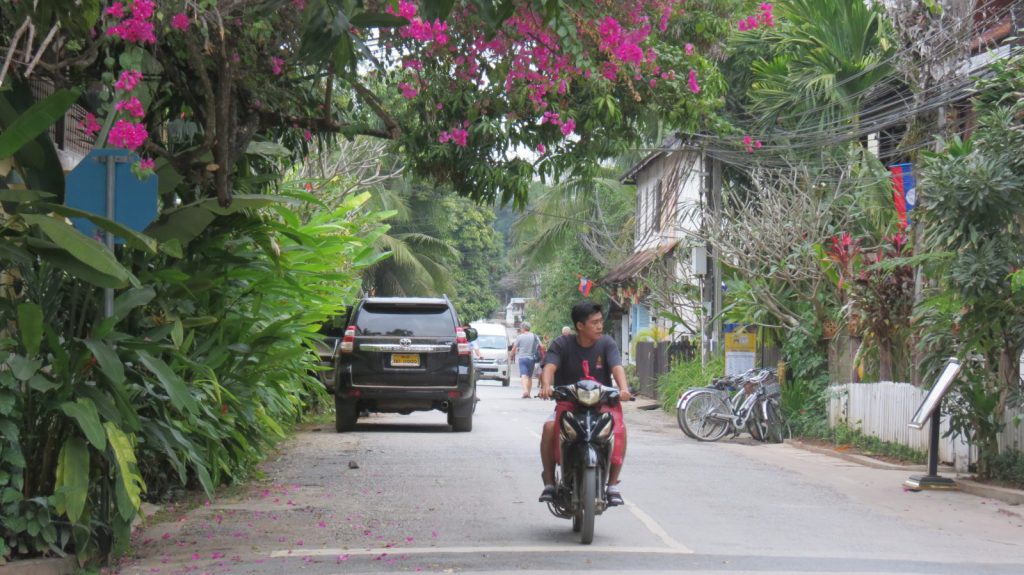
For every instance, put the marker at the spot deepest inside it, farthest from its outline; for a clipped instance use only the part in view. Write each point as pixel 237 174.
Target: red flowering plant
pixel 877 291
pixel 471 90
pixel 481 94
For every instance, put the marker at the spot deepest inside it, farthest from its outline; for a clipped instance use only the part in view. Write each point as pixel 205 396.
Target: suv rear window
pixel 420 321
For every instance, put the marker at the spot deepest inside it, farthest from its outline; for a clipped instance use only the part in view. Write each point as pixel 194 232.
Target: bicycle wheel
pixel 691 409
pixel 774 432
pixel 708 417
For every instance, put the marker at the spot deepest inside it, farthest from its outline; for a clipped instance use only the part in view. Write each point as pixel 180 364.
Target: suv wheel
pixel 505 382
pixel 461 424
pixel 345 414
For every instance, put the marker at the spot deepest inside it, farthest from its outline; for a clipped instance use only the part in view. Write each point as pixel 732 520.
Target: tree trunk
pixel 884 359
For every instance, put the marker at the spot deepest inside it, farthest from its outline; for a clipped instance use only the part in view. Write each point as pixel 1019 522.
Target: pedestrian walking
pixel 524 353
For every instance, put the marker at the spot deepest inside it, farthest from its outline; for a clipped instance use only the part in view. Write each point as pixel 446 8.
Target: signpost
pixel 930 409
pixel 103 184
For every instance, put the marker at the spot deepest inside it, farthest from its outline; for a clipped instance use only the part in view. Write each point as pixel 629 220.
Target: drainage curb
pixel 862 459
pixel 1004 494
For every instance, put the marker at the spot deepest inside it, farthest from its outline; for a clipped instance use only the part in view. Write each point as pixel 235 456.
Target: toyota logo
pixel 405 342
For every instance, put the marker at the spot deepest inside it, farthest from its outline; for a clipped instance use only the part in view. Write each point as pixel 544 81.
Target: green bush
pixel 871 445
pixel 202 367
pixel 1008 466
pixel 805 386
pixel 685 375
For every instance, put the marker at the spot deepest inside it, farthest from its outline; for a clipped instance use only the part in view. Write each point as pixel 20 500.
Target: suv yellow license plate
pixel 405 359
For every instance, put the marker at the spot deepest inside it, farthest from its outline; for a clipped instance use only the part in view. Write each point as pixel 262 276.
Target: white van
pixel 492 341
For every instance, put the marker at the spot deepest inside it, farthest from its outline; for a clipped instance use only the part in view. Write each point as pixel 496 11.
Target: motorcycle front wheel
pixel 588 510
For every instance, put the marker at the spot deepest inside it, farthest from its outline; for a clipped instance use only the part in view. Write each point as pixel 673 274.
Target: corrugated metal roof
pixel 636 263
pixel 670 143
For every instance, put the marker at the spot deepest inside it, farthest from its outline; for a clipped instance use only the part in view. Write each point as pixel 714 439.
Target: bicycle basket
pixel 773 389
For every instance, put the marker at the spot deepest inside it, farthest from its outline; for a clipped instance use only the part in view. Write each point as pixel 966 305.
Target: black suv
pixel 401 354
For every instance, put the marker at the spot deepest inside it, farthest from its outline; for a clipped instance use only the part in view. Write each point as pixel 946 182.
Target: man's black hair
pixel 582 311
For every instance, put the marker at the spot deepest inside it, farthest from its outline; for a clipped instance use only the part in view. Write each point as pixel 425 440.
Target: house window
pixel 640 319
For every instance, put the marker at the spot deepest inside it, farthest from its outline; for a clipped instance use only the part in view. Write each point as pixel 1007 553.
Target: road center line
pixel 397 551
pixel 657 530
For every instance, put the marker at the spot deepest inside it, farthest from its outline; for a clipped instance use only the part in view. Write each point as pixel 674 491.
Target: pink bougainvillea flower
pixel 128 135
pixel 299 5
pixel 408 92
pixel 133 30
pixel 91 126
pixel 569 126
pixel 143 9
pixel 321 525
pixel 132 105
pixel 146 164
pixel 128 80
pixel 180 21
pixel 692 82
pixel 541 149
pixel 689 49
pixel 460 137
pixel 406 9
pixel 116 10
pixel 276 65
pixel 307 135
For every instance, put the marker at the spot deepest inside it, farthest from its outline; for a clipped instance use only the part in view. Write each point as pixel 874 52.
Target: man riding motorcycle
pixel 589 354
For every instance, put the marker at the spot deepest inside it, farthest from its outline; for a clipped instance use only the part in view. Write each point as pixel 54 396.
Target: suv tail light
pixel 460 339
pixel 348 340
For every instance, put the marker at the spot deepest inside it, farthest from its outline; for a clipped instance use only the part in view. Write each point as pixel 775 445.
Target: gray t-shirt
pixel 526 345
pixel 568 355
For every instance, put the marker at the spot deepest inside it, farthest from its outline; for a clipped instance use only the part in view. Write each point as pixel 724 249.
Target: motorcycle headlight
pixel 588 397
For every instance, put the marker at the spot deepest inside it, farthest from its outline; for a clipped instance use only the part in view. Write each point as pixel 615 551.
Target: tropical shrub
pixel 972 218
pixel 686 375
pixel 204 361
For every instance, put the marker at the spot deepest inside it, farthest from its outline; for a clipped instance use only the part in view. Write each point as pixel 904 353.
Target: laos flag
pixel 904 193
pixel 584 287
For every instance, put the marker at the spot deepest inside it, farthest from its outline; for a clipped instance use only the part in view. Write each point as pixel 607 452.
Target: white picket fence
pixel 884 409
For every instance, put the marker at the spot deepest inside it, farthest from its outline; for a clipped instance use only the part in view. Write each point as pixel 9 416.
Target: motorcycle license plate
pixel 405 360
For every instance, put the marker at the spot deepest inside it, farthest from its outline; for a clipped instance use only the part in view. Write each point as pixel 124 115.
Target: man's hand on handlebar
pixel 625 394
pixel 545 391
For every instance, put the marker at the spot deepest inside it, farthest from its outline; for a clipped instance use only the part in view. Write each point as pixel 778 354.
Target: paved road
pixel 405 494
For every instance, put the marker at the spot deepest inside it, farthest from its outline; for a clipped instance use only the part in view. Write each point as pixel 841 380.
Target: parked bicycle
pixel 747 401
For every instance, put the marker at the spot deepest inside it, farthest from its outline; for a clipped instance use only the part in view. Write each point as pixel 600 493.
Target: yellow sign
pixel 741 341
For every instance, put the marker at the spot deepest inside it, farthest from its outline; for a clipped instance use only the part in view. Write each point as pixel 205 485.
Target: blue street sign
pixel 86 189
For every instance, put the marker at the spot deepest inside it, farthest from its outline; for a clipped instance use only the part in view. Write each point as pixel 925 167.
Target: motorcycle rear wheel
pixel 588 507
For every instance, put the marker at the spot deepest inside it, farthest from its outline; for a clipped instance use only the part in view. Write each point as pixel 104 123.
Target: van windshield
pixel 492 342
